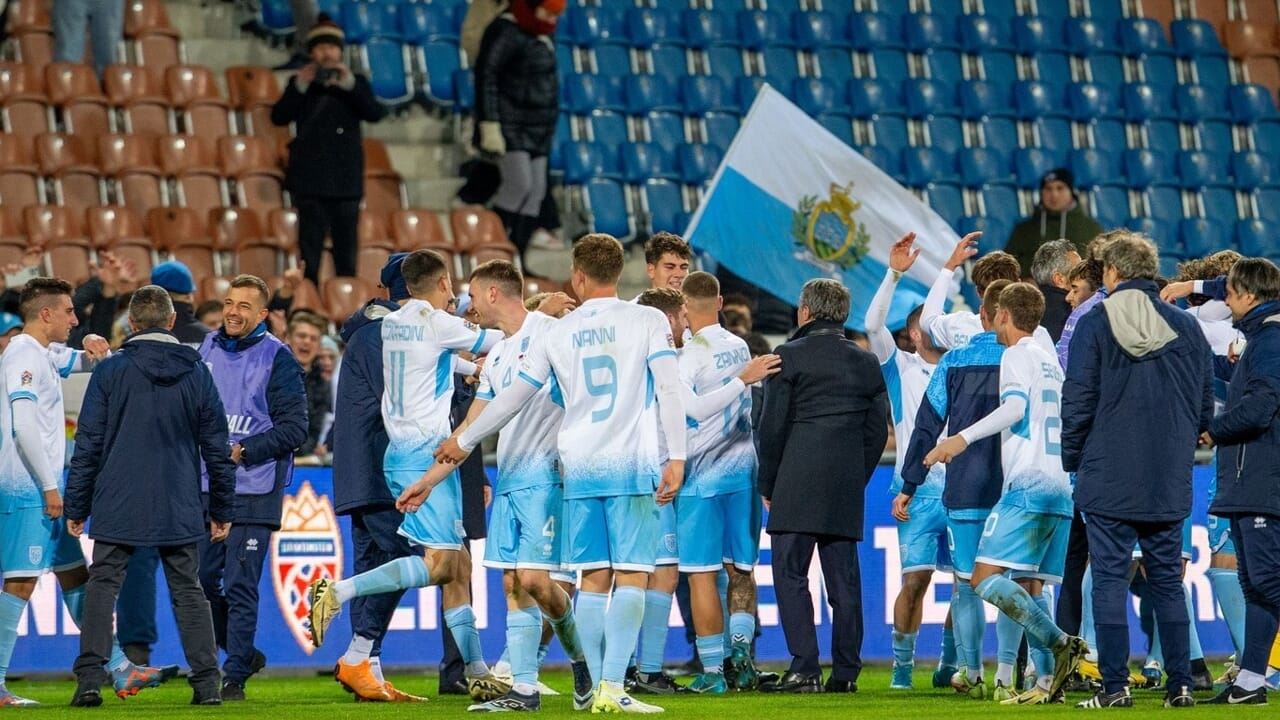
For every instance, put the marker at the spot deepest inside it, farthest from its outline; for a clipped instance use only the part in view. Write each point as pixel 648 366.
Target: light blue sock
pixel 1017 603
pixel 505 657
pixel 524 630
pixel 1008 640
pixel 1226 587
pixel 1157 648
pixel 622 626
pixel 399 574
pixel 653 630
pixel 711 652
pixel 970 622
pixel 542 653
pixel 742 628
pixel 1197 652
pixel 904 648
pixel 948 655
pixel 461 621
pixel 1087 629
pixel 722 588
pixel 590 611
pixel 74 600
pixel 11 607
pixel 567 630
pixel 1041 655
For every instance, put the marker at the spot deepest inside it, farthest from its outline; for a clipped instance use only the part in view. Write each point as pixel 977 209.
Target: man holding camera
pixel 325 171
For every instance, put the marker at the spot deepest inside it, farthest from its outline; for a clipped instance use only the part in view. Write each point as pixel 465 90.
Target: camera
pixel 325 74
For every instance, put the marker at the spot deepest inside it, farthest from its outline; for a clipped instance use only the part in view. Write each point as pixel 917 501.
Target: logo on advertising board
pixel 308 546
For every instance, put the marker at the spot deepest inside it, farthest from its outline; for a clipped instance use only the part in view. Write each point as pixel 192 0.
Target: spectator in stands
pixel 303 338
pixel 1058 216
pixel 517 103
pixel 16 276
pixel 10 326
pixel 105 21
pixel 1053 263
pixel 98 299
pixel 176 279
pixel 210 314
pixel 304 19
pixel 326 158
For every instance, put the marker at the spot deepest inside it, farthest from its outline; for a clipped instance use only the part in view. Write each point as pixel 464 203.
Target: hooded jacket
pixel 517 86
pixel 1138 393
pixel 359 438
pixel 1248 431
pixel 1075 225
pixel 151 412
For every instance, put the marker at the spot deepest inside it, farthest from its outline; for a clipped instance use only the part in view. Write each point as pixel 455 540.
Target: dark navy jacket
pixel 1248 431
pixel 359 439
pixel 150 413
pixel 1132 410
pixel 963 389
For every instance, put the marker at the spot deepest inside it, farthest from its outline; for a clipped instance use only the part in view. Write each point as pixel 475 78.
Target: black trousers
pixel 376 542
pixel 1257 539
pixel 1071 593
pixel 337 217
pixel 230 574
pixel 190 609
pixel 792 554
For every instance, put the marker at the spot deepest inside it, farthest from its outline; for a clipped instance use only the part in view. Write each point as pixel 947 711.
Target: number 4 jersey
pixel 1031 450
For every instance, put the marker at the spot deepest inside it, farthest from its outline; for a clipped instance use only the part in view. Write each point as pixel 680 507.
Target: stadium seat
pixel 1197 169
pixel 1163 232
pixel 592 26
pixel 887 160
pixel 817 30
pixel 759 29
pixel 72 162
pixel 978 33
pixel 945 66
pixel 980 166
pixel 1105 11
pixel 925 32
pixel 873 31
pixel 1030 164
pixel 1144 102
pixel 364 20
pixel 611 60
pixel 1085 36
pixel 30 15
pixel 835 64
pixel 343 296
pixel 670 63
pixel 662 205
pixel 1109 205
pixel 702 94
pixel 924 165
pixel 1245 39
pixel 1194 37
pixel 251 165
pixel 1211 70
pixel 232 227
pixel 20 183
pixel 412 229
pixel 995 231
pixel 1266 204
pixel 725 63
pixel 141 97
pixel 1034 99
pixel 703 28
pixel 719 129
pixel 868 97
pixel 999 134
pixel 1053 134
pixel 816 96
pixel 1250 103
pixel 1201 236
pixel 608 128
pixel 593 92
pixel 585 160
pixel 889 132
pixel 249 86
pixel 440 60
pixel 647 27
pixel 1252 170
pixel 464 91
pixel 74 89
pixel 1094 167
pixel 1142 36
pixel 26 115
pixel 1032 35
pixel 1107 135
pixel 1266 138
pixel 143 17
pixel 666 129
pixel 120 230
pixel 1105 69
pixel 1219 204
pixel 979 99
pixel 1214 137
pixel 946 200
pixel 130 163
pixel 1163 202
pixel 944 132
pixel 193 91
pixel 1200 102
pixel 1052 69
pixel 697 162
pixel 839 125
pixel 1258 238
pixel 58 230
pixel 642 161
pixel 890 65
pixel 781 66
pixel 606 205
pixel 1160 71
pixel 649 92
pixel 928 97
pixel 1087 101
pixel 1145 168
pixel 473 226
pixel 1158 134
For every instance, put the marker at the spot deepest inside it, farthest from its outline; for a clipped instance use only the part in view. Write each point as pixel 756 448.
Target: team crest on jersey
pixel 26 378
pixel 35 553
pixel 308 546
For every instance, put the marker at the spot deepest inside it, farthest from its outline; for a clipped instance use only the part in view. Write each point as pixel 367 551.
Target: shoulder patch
pixel 26 378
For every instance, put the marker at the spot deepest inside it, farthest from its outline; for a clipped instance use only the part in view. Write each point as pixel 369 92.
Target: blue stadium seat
pixel 1094 167
pixel 893 8
pixel 1109 205
pixel 1000 134
pixel 725 63
pixel 606 202
pixel 890 65
pixel 786 7
pixel 944 66
pixel 563 135
pixel 665 129
pixel 1106 70
pixel 1197 169
pixel 618 5
pixel 873 31
pixel 924 165
pixel 729 6
pixel 1200 102
pixel 1053 134
pixel 332 8
pixel 890 132
pixel 608 128
pixel 1214 137
pixel 464 91
pixel 979 33
pixel 671 62
pixel 1193 37
pixel 588 92
pixel 781 66
pixel 1266 138
pixel 1160 135
pixel 1033 35
pixel 1085 36
pixel 1160 71
pixel 612 60
pixel 1258 238
pixel 946 200
pixel 925 32
pixel 816 30
pixel 363 20
pixel 421 23
pixel 1000 9
pixel 649 92
pixel 944 132
pixel 927 97
pixel 1219 204
pixel 998 67
pixel 702 94
pixel 671 5
pixel 1001 203
pixel 1252 170
pixel 1147 102
pixel 887 160
pixel 1106 11
pixel 646 27
pixel 1163 202
pixel 697 162
pixel 747 88
pixel 390 78
pixel 836 65
pixel 839 125
pixel 703 28
pixel 1163 232
pixel 979 98
pixel 1251 102
pixel 591 26
pixel 869 97
pixel 1267 201
pixel 644 161
pixel 758 29
pixel 1201 236
pixel 276 16
pixel 566 64
pixel 1108 136
pixel 1034 99
pixel 664 206
pixel 586 160
pixel 1053 69
pixel 721 127
pixel 994 232
pixel 1145 168
pixel 816 96
pixel 1142 36
pixel 1087 101
pixel 982 166
pixel 1211 70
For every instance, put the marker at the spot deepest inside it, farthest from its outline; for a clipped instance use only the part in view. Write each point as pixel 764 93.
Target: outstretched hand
pixel 965 249
pixel 903 254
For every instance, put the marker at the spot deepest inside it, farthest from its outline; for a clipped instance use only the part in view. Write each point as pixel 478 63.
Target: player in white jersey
pixel 33 537
pixel 616 366
pixel 1027 529
pixel 952 330
pixel 420 341
pixel 922 538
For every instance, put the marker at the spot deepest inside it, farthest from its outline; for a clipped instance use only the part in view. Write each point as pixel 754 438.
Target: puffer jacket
pixel 517 86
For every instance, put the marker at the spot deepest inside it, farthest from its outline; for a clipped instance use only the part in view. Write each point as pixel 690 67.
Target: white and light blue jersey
pixel 722 453
pixel 906 377
pixel 956 329
pixel 30 371
pixel 600 356
pixel 527 455
pixel 1031 450
pixel 419 346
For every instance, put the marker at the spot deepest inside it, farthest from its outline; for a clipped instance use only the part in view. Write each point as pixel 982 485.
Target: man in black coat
pixel 151 413
pixel 822 431
pixel 1053 263
pixel 326 158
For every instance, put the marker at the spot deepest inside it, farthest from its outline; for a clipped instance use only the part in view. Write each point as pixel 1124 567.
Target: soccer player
pixel 33 537
pixel 419 341
pixel 1028 528
pixel 667 259
pixel 964 388
pixel 922 539
pixel 612 360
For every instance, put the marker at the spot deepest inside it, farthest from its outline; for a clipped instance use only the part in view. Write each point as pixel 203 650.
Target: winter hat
pixel 9 322
pixel 325 31
pixel 174 277
pixel 1062 175
pixel 527 18
pixel 392 280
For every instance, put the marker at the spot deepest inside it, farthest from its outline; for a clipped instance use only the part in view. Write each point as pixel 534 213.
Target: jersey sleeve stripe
pixel 72 359
pixel 479 342
pixel 22 395
pixel 660 353
pixel 486 395
pixel 536 383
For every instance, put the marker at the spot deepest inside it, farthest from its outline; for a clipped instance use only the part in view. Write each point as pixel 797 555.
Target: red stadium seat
pixel 18 80
pixel 1245 39
pixel 35 47
pixel 74 88
pixel 120 230
pixel 140 97
pixel 193 165
pixel 194 91
pixel 130 163
pixel 57 229
pixel 26 15
pixel 412 229
pixel 181 233
pixel 73 164
pixel 345 295
pixel 282 227
pixel 249 87
pixel 20 183
pixel 251 164
pixel 474 226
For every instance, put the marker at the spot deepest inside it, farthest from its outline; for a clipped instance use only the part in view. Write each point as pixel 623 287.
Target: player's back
pixel 956 329
pixel 906 378
pixel 28 371
pixel 1031 450
pixel 722 454
pixel 600 356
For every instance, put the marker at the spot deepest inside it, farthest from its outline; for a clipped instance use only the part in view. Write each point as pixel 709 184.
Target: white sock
pixel 975 674
pixel 477 669
pixel 502 668
pixel 344 590
pixel 612 686
pixel 375 666
pixel 1249 680
pixel 1044 682
pixel 358 651
pixel 1004 674
pixel 525 688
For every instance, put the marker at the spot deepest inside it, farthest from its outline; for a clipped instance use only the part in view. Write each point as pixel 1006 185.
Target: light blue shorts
pixel 922 540
pixel 668 548
pixel 619 532
pixel 1032 544
pixel 719 530
pixel 32 544
pixel 565 576
pixel 963 537
pixel 524 529
pixel 1220 541
pixel 438 523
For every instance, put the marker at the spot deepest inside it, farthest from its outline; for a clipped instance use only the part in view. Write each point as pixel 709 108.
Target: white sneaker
pixel 543 239
pixel 618 701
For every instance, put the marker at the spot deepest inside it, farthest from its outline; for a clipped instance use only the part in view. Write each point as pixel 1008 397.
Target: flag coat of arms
pixel 791 202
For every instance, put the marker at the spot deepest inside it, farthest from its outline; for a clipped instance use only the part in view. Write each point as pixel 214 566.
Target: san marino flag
pixel 791 202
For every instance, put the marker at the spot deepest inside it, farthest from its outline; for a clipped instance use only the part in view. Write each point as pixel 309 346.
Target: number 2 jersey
pixel 30 371
pixel 722 453
pixel 1031 450
pixel 527 455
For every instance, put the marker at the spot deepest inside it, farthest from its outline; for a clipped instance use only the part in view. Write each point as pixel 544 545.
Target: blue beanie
pixel 174 277
pixel 392 280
